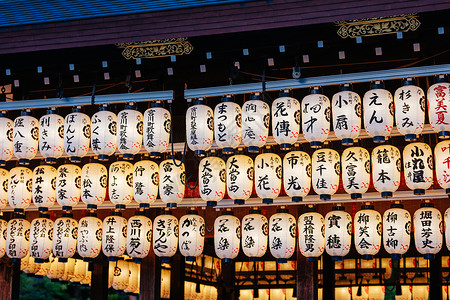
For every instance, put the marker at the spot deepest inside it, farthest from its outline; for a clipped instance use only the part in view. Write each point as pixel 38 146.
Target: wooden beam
pixel 328 276
pixel 436 277
pixel 99 283
pixel 307 280
pixel 226 287
pixel 177 270
pixel 15 284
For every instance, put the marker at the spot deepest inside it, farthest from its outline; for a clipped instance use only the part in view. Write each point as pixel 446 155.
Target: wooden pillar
pixel 99 281
pixel 227 289
pixel 307 281
pixel 177 270
pixel 436 277
pixel 150 285
pixel 328 276
pixel 14 287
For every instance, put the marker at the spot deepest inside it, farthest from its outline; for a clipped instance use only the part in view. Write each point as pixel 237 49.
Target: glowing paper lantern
pixel 268 173
pixel 17 239
pixel 94 180
pixel 4 177
pixel 442 157
pixel 368 228
pixel 227 236
pixel 285 120
pixel 25 137
pixel 120 183
pixel 254 235
pixel 157 126
pixel 6 139
pixel 19 188
pixel 386 167
pixel 428 230
pixel 326 168
pixel 165 236
pixel 446 226
pixel 65 233
pixel 145 182
pixel 212 177
pixel 355 171
pixel 130 131
pixel 378 112
pixel 199 127
pixel 282 232
pixel 255 123
pixel 338 233
pixel 133 280
pixel 311 240
pixel 172 179
pixel 438 96
pixel 297 174
pixel 44 268
pixel 80 271
pixel 3 232
pixel 346 106
pixel 104 133
pixel 139 236
pixel 114 239
pixel 68 186
pixel 69 268
pixel 239 178
pixel 418 167
pixel 192 235
pixel 77 134
pixel 44 187
pixel 316 114
pixel 89 241
pixel 396 230
pixel 51 137
pixel 409 110
pixel 227 125
pixel 41 236
pixel 121 275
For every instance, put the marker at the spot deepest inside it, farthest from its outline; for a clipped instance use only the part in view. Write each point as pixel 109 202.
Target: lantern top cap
pixel 255 211
pixel 367 206
pixel 156 104
pixel 396 205
pixel 227 98
pixel 167 212
pixel 427 204
pixel 26 112
pixel 227 213
pixel 199 101
pixel 116 213
pixel 67 215
pixel 255 96
pixel 315 90
pixel 131 105
pixel 346 87
pixel 338 208
pixel 192 212
pixel 440 79
pixel 284 93
pixel 282 210
pixel 76 109
pixel 3 113
pixel 91 214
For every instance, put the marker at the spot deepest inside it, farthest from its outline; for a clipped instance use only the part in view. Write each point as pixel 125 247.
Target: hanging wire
pixel 206 225
pixel 187 184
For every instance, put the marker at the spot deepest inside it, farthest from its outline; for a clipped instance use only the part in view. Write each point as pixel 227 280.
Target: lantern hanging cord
pixel 206 225
pixel 187 182
pixel 171 139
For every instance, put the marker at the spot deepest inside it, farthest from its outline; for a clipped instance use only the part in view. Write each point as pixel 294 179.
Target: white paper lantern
pixel 121 275
pixel 282 233
pixel 120 183
pixel 346 106
pixel 254 235
pixel 94 181
pixel 145 182
pixel 104 133
pixel 17 239
pixel 165 284
pixel 438 96
pixel 355 171
pixel 6 139
pixel 3 232
pixel 396 230
pixel 386 167
pixel 268 173
pixel 56 270
pixel 316 115
pixel 77 134
pixel 165 236
pixel 41 236
pixel 311 235
pixel 239 178
pixel 157 124
pixel 19 188
pixel 368 228
pixel 51 137
pixel 409 110
pixel 255 123
pixel 428 228
pixel 212 178
pixel 297 175
pixel 139 236
pixel 65 233
pixel 171 183
pixel 68 186
pixel 442 161
pixel 89 240
pixel 418 167
pixel 44 187
pixel 133 280
pixel 69 269
pixel 130 131
pixel 326 168
pixel 44 268
pixel 80 271
pixel 446 227
pixel 378 112
pixel 87 278
pixel 227 125
pixel 114 238
pixel 25 137
pixel 227 236
pixel 338 233
pixel 285 120
pixel 4 177
pixel 199 128
pixel 192 235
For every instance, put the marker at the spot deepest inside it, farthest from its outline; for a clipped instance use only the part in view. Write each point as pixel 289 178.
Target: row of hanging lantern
pixel 297 172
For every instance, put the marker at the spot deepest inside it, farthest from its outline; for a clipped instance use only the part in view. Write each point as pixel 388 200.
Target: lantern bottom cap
pixel 386 194
pixel 356 195
pixel 316 144
pixel 24 161
pixel 444 134
pixel 171 205
pixel 39 276
pixel 30 275
pixel 297 199
pixel 42 209
pixel 144 205
pixel 211 203
pixel 254 259
pixel 347 142
pixel 325 196
pixel 267 201
pixel 113 258
pixel 428 256
pixel 2 163
pixel 54 280
pixel 87 259
pixel 19 210
pixel 282 260
pixel 410 137
pixel 226 260
pixel 447 191
pixel 336 258
pixel 67 208
pixel 239 201
pixel 15 260
pixel 396 256
pixel 137 260
pixel 62 259
pixel 285 146
pixel 50 160
pixel 419 191
pixel 165 259
pixel 367 257
pixel 379 139
pixel 128 156
pixel 91 206
pixel 155 154
pixel 75 159
pixel 191 258
pixel 227 150
pixel 200 153
pixel 310 259
pixel 103 157
pixel 39 260
pixel 121 206
pixel 253 149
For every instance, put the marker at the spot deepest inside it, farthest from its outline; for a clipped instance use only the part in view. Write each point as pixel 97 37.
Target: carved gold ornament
pixel 156 48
